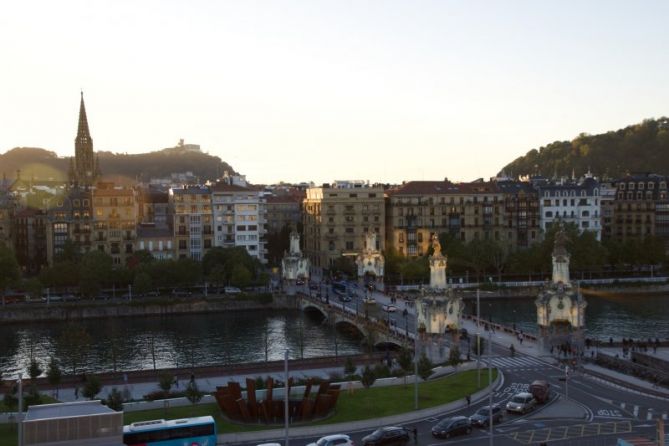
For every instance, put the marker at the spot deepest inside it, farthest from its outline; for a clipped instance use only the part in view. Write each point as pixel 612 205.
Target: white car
pixel 334 440
pixel 389 308
pixel 232 290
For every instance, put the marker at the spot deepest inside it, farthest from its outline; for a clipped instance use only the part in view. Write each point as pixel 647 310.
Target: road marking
pixel 622 405
pixel 636 411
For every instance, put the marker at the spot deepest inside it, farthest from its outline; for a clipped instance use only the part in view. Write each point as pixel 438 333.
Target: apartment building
pixel 192 221
pixel 641 207
pixel 7 207
pixel 156 240
pixel 520 214
pixel 571 201
pixel 30 239
pixel 284 209
pixel 337 217
pixel 239 215
pixel 70 217
pixel 418 209
pixel 114 221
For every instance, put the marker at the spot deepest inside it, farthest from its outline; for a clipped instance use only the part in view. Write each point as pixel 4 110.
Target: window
pixel 549 214
pixel 349 246
pixel 349 230
pixel 182 244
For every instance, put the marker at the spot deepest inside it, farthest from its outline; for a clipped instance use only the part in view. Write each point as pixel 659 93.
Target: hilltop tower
pixel 85 169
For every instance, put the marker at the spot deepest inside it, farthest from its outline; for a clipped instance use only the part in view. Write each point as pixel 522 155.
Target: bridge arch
pixel 347 325
pixel 315 309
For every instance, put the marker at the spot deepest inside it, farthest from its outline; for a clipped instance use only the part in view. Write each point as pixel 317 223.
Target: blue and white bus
pixel 199 431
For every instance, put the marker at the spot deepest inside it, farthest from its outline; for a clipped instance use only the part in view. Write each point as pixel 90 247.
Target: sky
pixel 385 91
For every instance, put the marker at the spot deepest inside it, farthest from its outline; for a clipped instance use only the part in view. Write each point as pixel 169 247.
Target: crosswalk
pixel 643 413
pixel 517 362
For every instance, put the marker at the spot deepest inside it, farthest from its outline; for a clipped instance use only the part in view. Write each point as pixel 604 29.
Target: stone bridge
pixel 379 332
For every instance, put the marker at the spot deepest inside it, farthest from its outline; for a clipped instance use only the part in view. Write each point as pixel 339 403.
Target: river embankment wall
pixel 72 311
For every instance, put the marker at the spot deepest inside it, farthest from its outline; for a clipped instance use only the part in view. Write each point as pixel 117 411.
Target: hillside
pixel 641 147
pixel 44 164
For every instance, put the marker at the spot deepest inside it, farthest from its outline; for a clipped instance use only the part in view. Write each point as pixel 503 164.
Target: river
pixel 237 337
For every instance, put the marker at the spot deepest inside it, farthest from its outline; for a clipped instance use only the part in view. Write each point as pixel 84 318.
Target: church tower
pixel 85 169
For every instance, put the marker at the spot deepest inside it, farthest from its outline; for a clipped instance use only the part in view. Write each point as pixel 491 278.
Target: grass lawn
pixel 362 404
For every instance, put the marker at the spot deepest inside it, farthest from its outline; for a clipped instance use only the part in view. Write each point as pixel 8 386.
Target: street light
pixel 478 337
pixel 285 399
pixel 20 417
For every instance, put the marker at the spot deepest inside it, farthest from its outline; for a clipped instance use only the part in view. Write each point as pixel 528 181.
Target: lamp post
pixel 415 366
pixel 478 337
pixel 285 399
pixel 20 415
pixel 490 419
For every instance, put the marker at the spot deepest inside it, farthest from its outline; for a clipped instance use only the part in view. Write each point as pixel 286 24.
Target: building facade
pixel 337 217
pixel 114 221
pixel 192 221
pixel 641 207
pixel 570 201
pixel 30 239
pixel 239 214
pixel 70 217
pixel 417 210
pixel 156 240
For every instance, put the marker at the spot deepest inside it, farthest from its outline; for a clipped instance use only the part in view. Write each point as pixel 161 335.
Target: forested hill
pixel 44 164
pixel 642 147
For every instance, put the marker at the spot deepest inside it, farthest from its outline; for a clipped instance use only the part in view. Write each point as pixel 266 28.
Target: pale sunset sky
pixel 323 90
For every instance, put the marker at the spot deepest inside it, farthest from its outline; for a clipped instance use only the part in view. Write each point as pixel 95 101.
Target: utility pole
pixel 490 420
pixel 478 337
pixel 285 399
pixel 566 385
pixel 20 417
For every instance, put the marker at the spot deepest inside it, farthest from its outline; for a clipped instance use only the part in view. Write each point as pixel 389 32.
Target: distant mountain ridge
pixel 44 164
pixel 642 147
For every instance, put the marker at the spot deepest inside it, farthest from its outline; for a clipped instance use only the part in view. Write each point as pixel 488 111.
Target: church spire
pixel 84 159
pixel 83 134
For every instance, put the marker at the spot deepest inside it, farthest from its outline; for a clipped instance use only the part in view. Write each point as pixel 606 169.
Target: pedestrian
pixel 469 400
pixel 176 381
pixel 76 392
pixel 415 435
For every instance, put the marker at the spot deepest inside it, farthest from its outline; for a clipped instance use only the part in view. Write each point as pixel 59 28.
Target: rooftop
pixel 67 410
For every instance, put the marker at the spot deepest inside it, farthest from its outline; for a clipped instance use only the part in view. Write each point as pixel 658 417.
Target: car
pixel 232 290
pixel 70 297
pixel 344 298
pixel 180 293
pixel 522 403
pixel 299 282
pixel 369 300
pixel 152 294
pixel 333 440
pixel 449 427
pixel 482 416
pixel 313 286
pixel 390 435
pixel 52 298
pixel 389 308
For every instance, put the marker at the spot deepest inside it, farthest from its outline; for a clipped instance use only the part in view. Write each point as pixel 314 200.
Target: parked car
pixel 180 293
pixel 299 282
pixel 482 416
pixel 389 308
pixel 232 290
pixel 541 391
pixel 386 436
pixel 333 440
pixel 369 300
pixel 449 427
pixel 52 298
pixel 522 402
pixel 152 294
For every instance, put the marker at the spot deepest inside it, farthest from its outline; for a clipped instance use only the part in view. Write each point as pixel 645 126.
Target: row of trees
pixel 93 271
pixel 489 258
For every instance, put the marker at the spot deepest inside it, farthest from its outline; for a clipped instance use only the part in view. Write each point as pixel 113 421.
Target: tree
pixel 53 373
pixel 425 367
pixel 74 343
pixel 69 253
pixel 405 360
pixel 10 399
pixel 34 370
pixel 9 269
pixel 240 276
pixel 92 387
pixel 193 393
pixel 115 400
pixel 349 367
pixel 139 258
pixel 368 377
pixel 94 272
pixel 142 283
pixel 454 356
pixel 165 382
pixel 478 345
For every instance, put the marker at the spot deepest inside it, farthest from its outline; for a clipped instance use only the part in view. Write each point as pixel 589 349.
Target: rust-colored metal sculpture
pixel 267 410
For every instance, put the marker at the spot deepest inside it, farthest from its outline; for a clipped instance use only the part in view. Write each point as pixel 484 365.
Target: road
pixel 582 410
